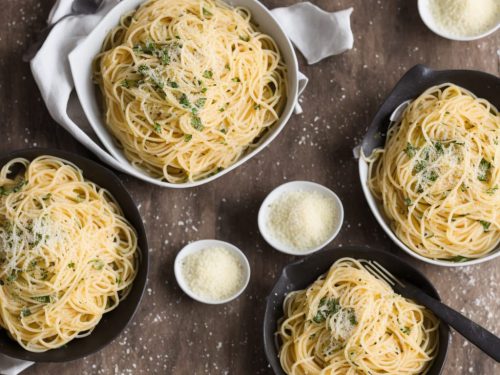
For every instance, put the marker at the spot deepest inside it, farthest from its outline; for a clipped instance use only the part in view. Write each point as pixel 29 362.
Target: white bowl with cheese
pixel 212 271
pixel 300 217
pixel 461 20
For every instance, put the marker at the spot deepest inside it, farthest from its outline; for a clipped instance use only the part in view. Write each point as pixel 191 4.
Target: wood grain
pixel 172 334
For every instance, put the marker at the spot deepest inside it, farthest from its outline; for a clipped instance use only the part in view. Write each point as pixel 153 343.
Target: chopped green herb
pixel 143 69
pixel 492 190
pixel 433 176
pixel 204 90
pixel 42 299
pixel 439 148
pixel 410 150
pixel 222 109
pixel 188 137
pixel 208 74
pixel 25 312
pixel 206 12
pixel 172 84
pixel 157 127
pixel 12 277
pixel 352 317
pixel 326 308
pixel 196 123
pixel 236 79
pixel 405 330
pixel 485 224
pixel 125 83
pixel 200 102
pixel 458 259
pixel 408 202
pixel 184 101
pixel 71 265
pixel 484 167
pixel 419 166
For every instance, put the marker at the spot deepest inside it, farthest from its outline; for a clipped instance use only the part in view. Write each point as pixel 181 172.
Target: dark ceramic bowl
pixel 115 321
pixel 301 274
pixel 411 85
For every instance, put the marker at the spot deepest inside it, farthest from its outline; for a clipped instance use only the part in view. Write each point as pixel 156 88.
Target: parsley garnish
pixel 484 167
pixel 439 148
pixel 419 166
pixel 492 190
pixel 196 123
pixel 71 265
pixel 326 308
pixel 204 90
pixel 125 83
pixel 172 84
pixel 206 12
pixel 236 79
pixel 184 101
pixel 200 102
pixel 42 299
pixel 408 202
pixel 157 127
pixel 485 224
pixel 208 74
pixel 410 150
pixel 143 69
pixel 25 312
pixel 188 137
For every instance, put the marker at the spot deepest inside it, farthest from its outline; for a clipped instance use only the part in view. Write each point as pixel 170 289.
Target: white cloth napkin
pixel 316 33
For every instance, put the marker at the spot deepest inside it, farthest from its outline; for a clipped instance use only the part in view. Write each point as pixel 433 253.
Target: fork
pixel 479 336
pixel 77 7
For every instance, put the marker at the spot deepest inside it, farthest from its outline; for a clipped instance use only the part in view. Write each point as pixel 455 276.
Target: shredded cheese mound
pixel 213 273
pixel 465 17
pixel 302 220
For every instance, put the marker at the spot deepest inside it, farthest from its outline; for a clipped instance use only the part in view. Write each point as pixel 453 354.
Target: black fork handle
pixel 479 336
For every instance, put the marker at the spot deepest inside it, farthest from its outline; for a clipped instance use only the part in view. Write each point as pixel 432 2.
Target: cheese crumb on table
pixel 302 220
pixel 213 273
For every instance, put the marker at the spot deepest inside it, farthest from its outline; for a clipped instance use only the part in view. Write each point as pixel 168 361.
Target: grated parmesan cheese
pixel 302 220
pixel 465 17
pixel 213 273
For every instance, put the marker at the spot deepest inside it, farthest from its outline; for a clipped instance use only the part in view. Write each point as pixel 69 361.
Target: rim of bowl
pixel 384 223
pixel 274 194
pixel 428 20
pixel 204 244
pixel 289 56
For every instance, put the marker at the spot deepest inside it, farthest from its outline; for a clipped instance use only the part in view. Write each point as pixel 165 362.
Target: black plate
pixel 301 274
pixel 415 82
pixel 115 321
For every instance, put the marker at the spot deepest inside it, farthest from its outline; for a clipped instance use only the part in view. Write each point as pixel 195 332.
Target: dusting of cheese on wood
pixel 213 273
pixel 302 220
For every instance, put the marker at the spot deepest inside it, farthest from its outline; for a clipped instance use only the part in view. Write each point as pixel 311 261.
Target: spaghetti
pixel 189 86
pixel 67 254
pixel 439 173
pixel 349 322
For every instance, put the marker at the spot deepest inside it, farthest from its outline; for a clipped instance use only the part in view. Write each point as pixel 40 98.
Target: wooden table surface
pixel 172 334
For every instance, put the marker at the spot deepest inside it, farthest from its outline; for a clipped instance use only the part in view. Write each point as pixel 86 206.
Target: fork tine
pixel 375 272
pixel 384 271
